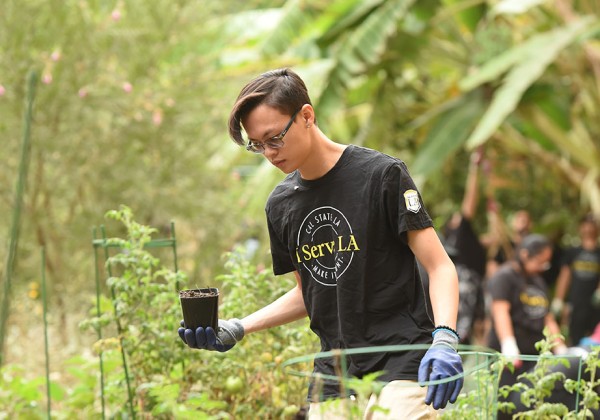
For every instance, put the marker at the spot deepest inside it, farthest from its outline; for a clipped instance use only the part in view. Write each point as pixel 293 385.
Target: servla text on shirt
pixel 308 252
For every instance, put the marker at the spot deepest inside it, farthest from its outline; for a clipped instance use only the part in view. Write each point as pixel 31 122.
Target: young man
pixel 348 222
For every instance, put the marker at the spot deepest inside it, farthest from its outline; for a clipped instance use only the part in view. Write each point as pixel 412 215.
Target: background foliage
pixel 133 99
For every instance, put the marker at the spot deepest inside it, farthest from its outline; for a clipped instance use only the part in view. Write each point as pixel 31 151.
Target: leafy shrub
pixel 535 388
pixel 170 380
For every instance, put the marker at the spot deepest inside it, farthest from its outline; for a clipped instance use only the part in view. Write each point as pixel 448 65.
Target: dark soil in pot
pixel 200 307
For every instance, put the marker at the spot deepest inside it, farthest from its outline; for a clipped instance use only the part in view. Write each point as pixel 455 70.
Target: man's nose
pixel 270 151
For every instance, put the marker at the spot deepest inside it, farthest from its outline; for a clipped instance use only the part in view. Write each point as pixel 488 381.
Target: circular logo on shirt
pixel 325 245
pixel 535 302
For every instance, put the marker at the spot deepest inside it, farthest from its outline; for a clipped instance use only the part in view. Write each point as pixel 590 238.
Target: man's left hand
pixel 440 362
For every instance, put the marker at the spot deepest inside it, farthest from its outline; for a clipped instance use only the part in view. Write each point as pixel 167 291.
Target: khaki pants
pixel 398 400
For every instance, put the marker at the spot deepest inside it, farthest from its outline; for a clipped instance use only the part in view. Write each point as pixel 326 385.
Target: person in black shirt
pixel 579 282
pixel 520 306
pixel 459 233
pixel 470 258
pixel 349 222
pixel 520 226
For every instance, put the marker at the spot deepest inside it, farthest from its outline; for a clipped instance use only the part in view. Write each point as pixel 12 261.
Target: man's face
pixel 536 264
pixel 264 123
pixel 588 229
pixel 521 222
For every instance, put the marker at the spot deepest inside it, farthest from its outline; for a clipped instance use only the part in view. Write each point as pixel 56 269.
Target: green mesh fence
pixel 479 396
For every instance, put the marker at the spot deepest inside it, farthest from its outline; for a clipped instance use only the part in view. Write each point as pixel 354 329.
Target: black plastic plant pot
pixel 200 307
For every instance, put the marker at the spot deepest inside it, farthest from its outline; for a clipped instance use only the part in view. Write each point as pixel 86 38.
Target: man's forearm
pixel 289 307
pixel 443 292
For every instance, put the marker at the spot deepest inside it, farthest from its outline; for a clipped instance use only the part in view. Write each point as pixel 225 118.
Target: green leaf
pixel 530 63
pixel 468 12
pixel 448 134
pixel 294 16
pixel 574 145
pixel 352 14
pixel 57 392
pixel 360 49
pixel 541 48
pixel 510 7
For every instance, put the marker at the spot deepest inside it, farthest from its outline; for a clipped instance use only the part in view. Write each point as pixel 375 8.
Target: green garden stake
pixel 119 330
pixel 104 244
pixel 174 247
pixel 45 311
pixel 16 216
pixel 98 313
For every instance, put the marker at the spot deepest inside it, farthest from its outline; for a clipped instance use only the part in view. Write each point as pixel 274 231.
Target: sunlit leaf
pixel 468 12
pixel 293 16
pixel 447 135
pixel 515 6
pixel 529 65
pixel 360 49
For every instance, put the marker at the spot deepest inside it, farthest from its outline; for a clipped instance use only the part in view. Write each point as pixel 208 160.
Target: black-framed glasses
pixel 275 142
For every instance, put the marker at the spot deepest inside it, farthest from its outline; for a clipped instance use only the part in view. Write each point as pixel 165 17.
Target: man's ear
pixel 307 114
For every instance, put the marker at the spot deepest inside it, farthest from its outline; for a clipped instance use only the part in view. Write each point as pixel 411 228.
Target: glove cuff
pixel 443 337
pixel 236 329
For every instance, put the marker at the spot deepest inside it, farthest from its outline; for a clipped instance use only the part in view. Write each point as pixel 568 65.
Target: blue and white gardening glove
pixel 227 335
pixel 440 362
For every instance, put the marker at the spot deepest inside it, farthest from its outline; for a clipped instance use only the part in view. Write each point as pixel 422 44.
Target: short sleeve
pixel 500 287
pixel 402 201
pixel 282 263
pixel 568 256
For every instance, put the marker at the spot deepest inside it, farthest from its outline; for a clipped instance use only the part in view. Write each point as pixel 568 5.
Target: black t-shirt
pixel 501 257
pixel 585 274
pixel 471 252
pixel 528 298
pixel 345 233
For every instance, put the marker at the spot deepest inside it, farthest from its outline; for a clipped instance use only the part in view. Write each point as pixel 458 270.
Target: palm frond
pixel 447 135
pixel 360 49
pixel 528 63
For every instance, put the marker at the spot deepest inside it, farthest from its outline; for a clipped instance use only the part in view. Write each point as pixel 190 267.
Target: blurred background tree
pixel 134 96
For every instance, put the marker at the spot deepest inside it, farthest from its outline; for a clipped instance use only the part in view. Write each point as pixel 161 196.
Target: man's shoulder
pixel 504 275
pixel 373 161
pixel 361 152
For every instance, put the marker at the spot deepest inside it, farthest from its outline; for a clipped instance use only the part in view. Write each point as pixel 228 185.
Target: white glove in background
pixel 509 348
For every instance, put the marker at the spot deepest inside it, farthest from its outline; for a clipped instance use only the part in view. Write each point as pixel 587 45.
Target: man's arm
pixel 563 283
pixel 289 307
pixel 441 361
pixel 502 321
pixel 469 203
pixel 505 332
pixel 443 280
pixel 554 329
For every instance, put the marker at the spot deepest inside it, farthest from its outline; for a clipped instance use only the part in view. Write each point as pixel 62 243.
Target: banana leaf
pixel 447 135
pixel 528 61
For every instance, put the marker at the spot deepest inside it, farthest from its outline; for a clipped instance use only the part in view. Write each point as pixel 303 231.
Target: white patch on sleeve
pixel 411 198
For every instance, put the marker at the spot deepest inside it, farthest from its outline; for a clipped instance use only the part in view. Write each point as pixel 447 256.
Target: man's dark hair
pixel 534 244
pixel 281 89
pixel 588 218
